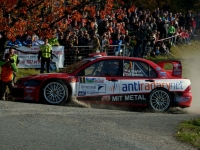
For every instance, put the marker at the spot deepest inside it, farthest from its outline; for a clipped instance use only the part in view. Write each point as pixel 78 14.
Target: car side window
pixel 138 69
pixel 102 68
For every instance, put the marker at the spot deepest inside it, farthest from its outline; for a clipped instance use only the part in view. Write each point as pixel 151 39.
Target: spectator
pixel 193 24
pixel 132 45
pixel 117 49
pixel 187 37
pixel 171 32
pixel 45 54
pixel 96 44
pixel 122 22
pixel 27 41
pixel 168 45
pixel 105 43
pixel 192 35
pixel 14 43
pixel 157 51
pixel 15 59
pixel 153 25
pixel 37 41
pixel 54 40
pixel 7 69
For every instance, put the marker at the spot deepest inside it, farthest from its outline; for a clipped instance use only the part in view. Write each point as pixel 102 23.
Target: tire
pixel 159 100
pixel 55 92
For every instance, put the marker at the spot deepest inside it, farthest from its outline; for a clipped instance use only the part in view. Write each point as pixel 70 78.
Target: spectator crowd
pixel 137 33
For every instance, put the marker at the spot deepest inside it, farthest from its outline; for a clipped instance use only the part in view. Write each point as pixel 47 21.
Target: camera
pixel 11 60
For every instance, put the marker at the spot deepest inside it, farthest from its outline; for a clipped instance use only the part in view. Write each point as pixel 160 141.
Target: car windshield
pixel 74 67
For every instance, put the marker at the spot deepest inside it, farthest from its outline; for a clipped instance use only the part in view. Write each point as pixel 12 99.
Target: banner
pixel 31 60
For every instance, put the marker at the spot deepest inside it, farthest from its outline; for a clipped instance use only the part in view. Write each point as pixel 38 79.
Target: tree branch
pixel 78 7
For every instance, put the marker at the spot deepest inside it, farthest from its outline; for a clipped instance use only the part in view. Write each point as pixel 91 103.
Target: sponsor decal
pixel 93 89
pixel 81 93
pixel 91 80
pixel 105 98
pixel 137 86
pixel 162 74
pixel 99 80
pixel 177 73
pixel 29 91
pixel 177 69
pixel 94 80
pixel 133 73
pixel 182 99
pixel 139 97
pixel 158 68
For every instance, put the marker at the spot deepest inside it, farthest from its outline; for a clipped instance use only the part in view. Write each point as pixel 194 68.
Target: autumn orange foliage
pixel 42 15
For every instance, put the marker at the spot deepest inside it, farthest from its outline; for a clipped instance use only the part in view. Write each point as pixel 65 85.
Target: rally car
pixel 115 80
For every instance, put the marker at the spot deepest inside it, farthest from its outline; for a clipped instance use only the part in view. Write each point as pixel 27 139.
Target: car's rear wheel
pixel 159 100
pixel 55 92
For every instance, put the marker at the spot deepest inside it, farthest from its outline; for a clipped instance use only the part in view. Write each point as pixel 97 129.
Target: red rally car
pixel 115 80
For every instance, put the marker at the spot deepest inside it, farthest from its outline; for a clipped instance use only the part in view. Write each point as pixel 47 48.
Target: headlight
pixel 32 82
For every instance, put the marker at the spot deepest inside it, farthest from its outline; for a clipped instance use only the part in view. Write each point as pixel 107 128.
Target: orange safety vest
pixel 6 73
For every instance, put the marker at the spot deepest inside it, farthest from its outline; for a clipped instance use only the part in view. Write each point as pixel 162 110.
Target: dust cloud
pixel 75 103
pixel 191 70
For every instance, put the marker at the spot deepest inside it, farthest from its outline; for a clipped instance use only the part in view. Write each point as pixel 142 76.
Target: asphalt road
pixel 30 126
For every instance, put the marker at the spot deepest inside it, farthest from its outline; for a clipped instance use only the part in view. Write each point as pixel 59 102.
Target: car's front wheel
pixel 55 92
pixel 159 100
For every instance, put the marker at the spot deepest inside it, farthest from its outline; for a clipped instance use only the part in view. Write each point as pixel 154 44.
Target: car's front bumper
pixel 26 93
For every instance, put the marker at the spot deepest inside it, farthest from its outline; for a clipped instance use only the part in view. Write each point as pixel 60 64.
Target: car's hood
pixel 45 76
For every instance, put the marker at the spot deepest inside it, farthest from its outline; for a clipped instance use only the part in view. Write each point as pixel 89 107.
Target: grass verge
pixel 189 131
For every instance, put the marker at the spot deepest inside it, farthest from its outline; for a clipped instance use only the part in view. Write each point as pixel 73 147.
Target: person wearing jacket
pixel 54 41
pixel 14 43
pixel 171 32
pixel 117 49
pixel 8 67
pixel 46 55
pixel 15 58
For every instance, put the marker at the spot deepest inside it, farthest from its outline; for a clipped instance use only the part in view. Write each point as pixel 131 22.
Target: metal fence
pixel 115 50
pixel 76 53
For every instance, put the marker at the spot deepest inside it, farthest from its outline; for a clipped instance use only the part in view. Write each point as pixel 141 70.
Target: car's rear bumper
pixel 184 100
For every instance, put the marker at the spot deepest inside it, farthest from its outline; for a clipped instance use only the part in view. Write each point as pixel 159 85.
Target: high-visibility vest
pixel 46 50
pixel 14 57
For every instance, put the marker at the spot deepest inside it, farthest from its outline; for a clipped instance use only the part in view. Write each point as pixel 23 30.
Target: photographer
pixel 8 67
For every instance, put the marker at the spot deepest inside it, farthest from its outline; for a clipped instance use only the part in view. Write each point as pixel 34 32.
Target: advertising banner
pixel 31 60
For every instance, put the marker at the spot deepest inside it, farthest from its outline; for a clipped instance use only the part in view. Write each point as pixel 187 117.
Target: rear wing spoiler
pixel 176 70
